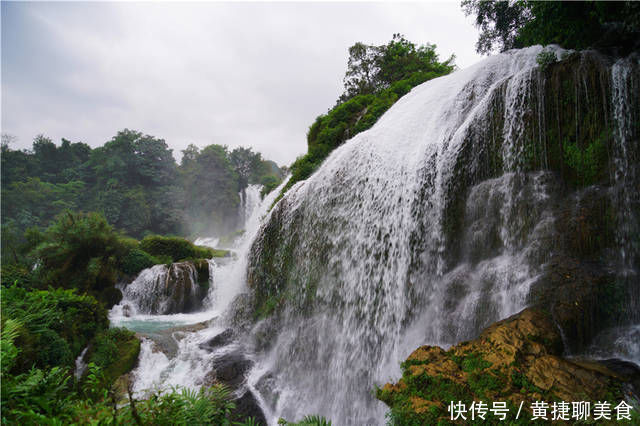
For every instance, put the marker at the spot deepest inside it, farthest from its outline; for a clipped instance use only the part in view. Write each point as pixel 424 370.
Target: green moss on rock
pixel 515 360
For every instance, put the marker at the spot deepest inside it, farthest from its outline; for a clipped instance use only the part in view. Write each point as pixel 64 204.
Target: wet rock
pixel 578 296
pixel 166 341
pixel 232 368
pixel 240 312
pixel 218 340
pixel 625 369
pixel 517 359
pixel 229 369
pixel 248 406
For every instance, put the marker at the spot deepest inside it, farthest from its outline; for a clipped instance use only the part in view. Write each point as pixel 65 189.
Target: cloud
pixel 250 74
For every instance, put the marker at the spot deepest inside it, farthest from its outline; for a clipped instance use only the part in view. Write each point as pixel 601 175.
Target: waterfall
pixel 164 289
pixel 172 352
pixel 249 200
pixel 433 224
pixel 623 341
pixel 627 174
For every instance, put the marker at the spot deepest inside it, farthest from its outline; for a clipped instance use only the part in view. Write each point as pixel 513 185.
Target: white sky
pixel 238 74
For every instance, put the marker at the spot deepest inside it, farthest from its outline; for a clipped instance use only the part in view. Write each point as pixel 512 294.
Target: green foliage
pixel 377 76
pixel 546 58
pixel 115 351
pixel 36 385
pixel 269 183
pixel 576 25
pixel 37 397
pixel 588 164
pixel 175 247
pixel 80 251
pixel 133 180
pixel 371 69
pixel 136 260
pixel 473 362
pixel 56 324
pixel 309 420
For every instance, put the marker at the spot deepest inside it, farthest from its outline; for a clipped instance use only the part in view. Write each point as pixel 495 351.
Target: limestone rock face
pixel 515 360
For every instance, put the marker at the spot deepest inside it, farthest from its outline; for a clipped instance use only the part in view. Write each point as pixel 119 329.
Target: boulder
pixel 222 339
pixel 247 406
pixel 515 360
pixel 230 369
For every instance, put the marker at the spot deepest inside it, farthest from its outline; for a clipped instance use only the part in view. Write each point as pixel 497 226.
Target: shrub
pixel 115 351
pixel 56 324
pixel 81 251
pixel 269 183
pixel 174 247
pixel 136 260
pixel 546 58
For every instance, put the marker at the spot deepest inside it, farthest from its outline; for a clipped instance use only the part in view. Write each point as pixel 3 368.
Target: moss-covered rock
pixel 515 360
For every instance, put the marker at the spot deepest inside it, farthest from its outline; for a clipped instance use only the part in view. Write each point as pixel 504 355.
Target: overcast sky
pixel 238 74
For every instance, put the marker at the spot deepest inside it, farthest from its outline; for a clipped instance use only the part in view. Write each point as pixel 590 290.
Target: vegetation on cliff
pixel 573 25
pixel 376 77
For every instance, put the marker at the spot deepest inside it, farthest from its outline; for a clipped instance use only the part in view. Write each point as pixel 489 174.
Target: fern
pixel 309 420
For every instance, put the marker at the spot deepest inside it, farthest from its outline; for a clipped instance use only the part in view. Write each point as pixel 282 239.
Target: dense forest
pixel 76 221
pixel 134 181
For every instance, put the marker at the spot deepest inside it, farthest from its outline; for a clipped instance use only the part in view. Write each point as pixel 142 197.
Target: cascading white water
pixel 624 341
pixel 369 262
pixel 189 365
pixel 163 289
pixel 249 201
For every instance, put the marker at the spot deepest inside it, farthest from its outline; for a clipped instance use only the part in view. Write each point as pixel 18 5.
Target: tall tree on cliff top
pixel 373 68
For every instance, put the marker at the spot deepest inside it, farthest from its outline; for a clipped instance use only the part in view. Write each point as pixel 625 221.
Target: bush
pixel 174 247
pixel 115 351
pixel 56 325
pixel 81 251
pixel 269 183
pixel 546 58
pixel 136 260
pixel 13 273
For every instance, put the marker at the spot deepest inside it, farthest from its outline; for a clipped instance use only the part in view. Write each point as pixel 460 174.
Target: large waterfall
pixel 439 220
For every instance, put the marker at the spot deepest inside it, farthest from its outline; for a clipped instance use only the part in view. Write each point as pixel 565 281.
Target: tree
pixel 575 25
pixel 371 69
pixel 189 155
pixel 81 251
pixel 246 163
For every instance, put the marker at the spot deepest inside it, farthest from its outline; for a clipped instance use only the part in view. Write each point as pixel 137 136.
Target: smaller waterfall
pixel 249 202
pixel 164 289
pixel 176 350
pixel 81 366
